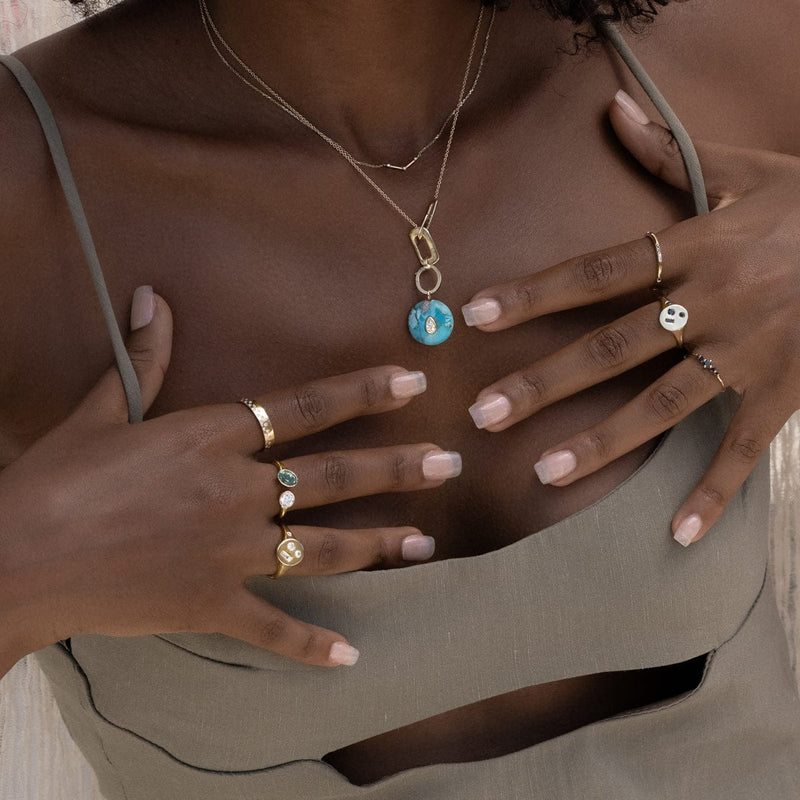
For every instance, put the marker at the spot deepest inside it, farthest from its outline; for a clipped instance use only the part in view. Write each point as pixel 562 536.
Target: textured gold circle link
pixel 418 279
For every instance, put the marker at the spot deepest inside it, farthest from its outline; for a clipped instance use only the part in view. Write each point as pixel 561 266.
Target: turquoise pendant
pixel 430 322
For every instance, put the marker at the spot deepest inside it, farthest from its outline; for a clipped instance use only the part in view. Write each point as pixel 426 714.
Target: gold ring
pixel 288 480
pixel 673 318
pixel 654 239
pixel 263 421
pixel 289 553
pixel 709 366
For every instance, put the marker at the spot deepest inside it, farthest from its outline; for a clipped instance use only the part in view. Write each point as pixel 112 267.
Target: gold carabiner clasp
pixel 422 236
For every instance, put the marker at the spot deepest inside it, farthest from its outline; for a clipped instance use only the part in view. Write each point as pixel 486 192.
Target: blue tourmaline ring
pixel 288 480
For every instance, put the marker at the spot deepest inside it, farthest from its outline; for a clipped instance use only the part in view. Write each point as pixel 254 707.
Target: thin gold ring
pixel 707 365
pixel 289 481
pixel 263 420
pixel 289 553
pixel 659 256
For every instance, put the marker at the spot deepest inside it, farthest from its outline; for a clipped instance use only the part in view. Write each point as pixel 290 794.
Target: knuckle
pixel 195 437
pixel 383 549
pixel 668 144
pixel 667 401
pixel 608 347
pixel 309 645
pixel 521 295
pixel 745 448
pixel 273 629
pixel 597 444
pixel 595 271
pixel 312 406
pixel 337 473
pixel 530 386
pixel 329 552
pixel 141 357
pixel 398 469
pixel 215 494
pixel 369 392
pixel 713 495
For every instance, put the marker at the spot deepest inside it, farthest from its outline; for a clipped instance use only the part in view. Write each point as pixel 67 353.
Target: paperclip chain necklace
pixel 430 321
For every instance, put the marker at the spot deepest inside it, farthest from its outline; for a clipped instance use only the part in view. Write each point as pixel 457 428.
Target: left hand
pixel 745 316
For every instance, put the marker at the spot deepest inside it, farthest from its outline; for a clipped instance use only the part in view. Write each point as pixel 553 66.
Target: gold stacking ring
pixel 673 318
pixel 288 480
pixel 263 421
pixel 654 239
pixel 709 366
pixel 289 553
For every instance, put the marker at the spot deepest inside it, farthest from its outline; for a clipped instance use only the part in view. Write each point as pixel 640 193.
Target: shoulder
pixel 730 68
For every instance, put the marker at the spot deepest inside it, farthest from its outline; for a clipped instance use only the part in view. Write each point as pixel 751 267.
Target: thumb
pixel 728 172
pixel 149 346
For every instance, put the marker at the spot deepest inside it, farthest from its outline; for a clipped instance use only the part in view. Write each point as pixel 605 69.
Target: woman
pixel 487 667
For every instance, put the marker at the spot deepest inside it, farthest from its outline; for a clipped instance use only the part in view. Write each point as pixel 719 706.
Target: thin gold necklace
pixel 430 321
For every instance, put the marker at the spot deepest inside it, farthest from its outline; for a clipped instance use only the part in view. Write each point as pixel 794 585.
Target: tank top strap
pixel 682 138
pixel 61 162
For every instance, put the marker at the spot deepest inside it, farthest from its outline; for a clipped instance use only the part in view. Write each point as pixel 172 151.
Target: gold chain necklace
pixel 429 321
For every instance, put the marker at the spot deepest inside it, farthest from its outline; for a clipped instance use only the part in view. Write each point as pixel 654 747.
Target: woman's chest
pixel 284 266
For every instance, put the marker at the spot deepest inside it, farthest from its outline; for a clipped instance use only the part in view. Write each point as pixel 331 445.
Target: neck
pixel 379 77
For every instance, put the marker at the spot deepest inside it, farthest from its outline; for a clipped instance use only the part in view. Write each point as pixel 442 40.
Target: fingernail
pixel 481 312
pixel 418 547
pixel 143 307
pixel 441 466
pixel 688 529
pixel 556 465
pixel 343 655
pixel 408 384
pixel 490 410
pixel 631 107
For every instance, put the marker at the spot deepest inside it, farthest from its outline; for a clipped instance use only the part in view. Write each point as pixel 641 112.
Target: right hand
pixel 125 530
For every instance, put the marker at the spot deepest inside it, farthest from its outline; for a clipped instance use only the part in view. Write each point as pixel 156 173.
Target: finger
pixel 330 551
pixel 748 437
pixel 728 172
pixel 682 390
pixel 592 359
pixel 577 282
pixel 301 411
pixel 150 347
pixel 253 620
pixel 342 475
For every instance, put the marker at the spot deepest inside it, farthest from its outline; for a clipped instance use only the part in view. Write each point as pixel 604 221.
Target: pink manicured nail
pixel 441 466
pixel 343 655
pixel 631 107
pixel 555 466
pixel 688 529
pixel 408 384
pixel 143 307
pixel 418 547
pixel 481 312
pixel 490 410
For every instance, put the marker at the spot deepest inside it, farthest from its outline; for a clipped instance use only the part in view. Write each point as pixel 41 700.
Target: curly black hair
pixel 629 12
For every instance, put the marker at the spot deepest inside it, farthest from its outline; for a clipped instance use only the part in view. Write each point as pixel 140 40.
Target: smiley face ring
pixel 289 553
pixel 673 318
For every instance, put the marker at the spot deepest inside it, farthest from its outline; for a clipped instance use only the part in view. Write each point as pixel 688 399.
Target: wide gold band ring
pixel 263 420
pixel 289 481
pixel 289 553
